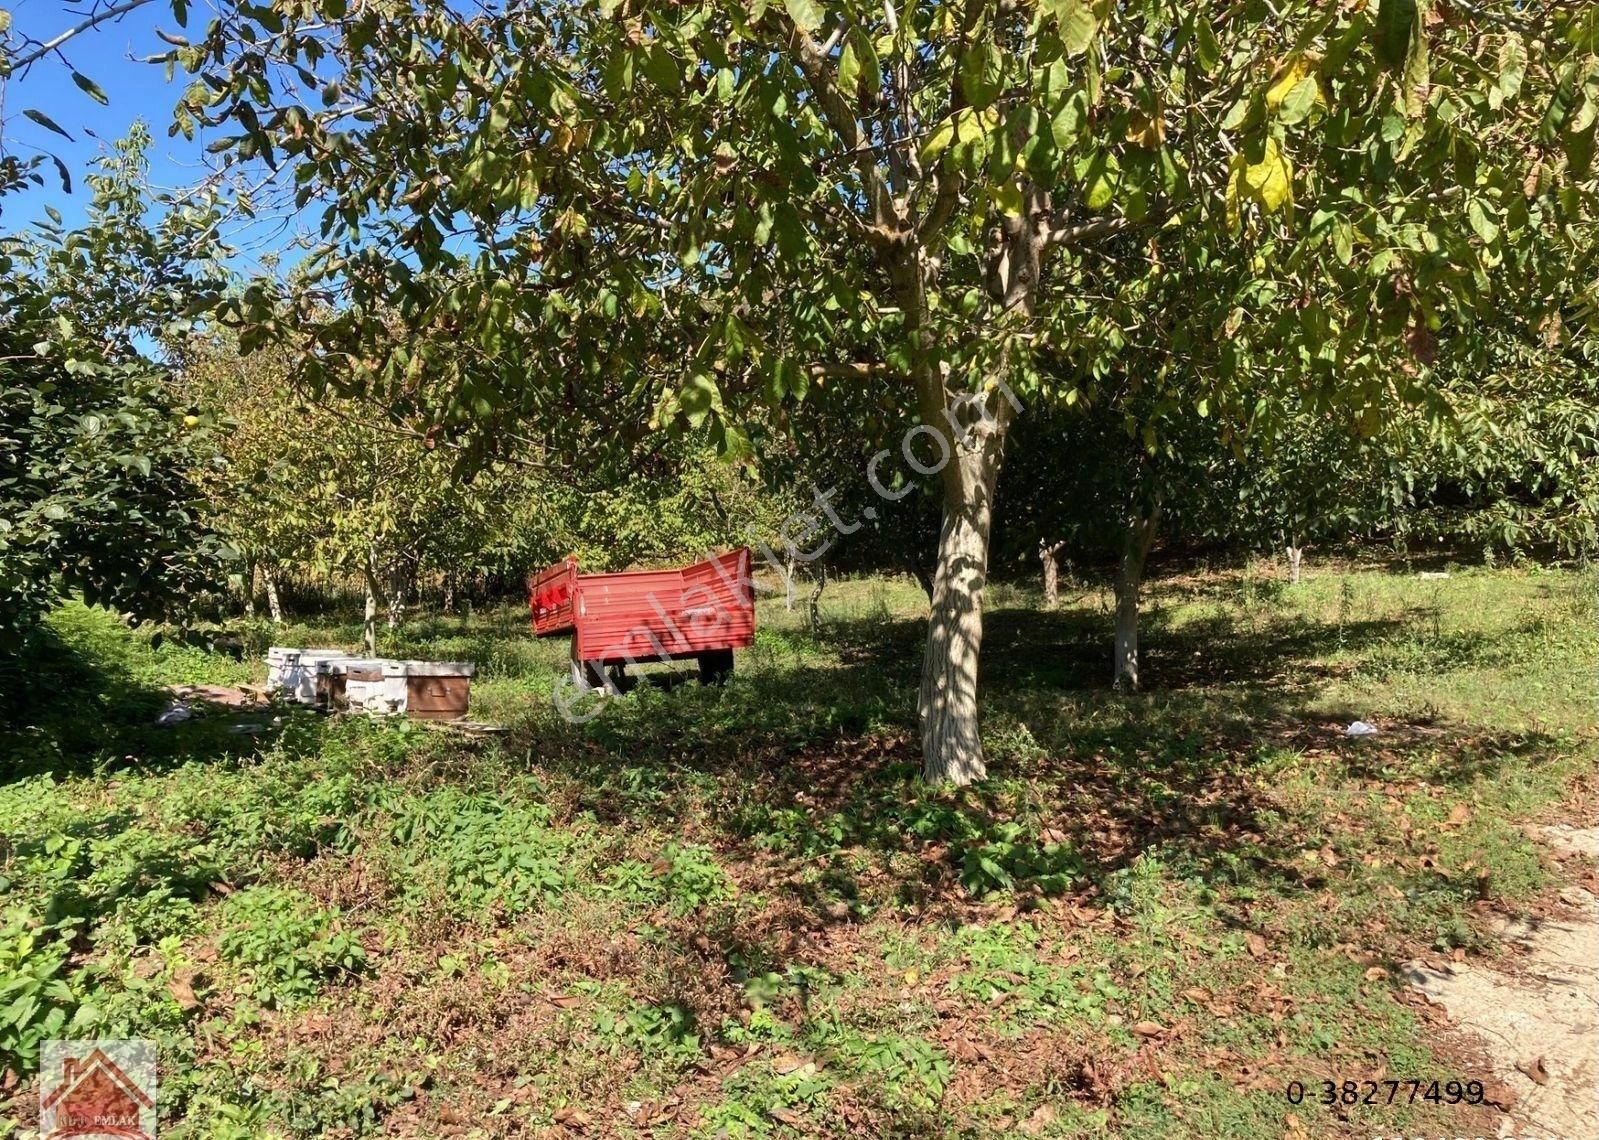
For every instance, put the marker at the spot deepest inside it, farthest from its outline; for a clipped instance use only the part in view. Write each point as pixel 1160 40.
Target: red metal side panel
pixel 550 595
pixel 629 616
pixel 653 615
pixel 719 602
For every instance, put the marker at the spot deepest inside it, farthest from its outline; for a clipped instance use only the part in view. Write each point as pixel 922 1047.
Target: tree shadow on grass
pixel 817 767
pixel 67 709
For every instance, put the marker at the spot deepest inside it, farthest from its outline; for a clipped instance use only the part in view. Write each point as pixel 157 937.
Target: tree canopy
pixel 95 455
pixel 676 212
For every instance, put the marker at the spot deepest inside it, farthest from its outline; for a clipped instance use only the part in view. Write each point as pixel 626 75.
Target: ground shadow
pixel 820 765
pixel 68 711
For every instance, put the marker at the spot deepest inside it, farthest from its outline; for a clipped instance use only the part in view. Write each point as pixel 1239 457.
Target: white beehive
pixel 301 675
pixel 334 679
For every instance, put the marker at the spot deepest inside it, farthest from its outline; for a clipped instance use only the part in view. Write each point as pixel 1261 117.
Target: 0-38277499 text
pixel 1385 1092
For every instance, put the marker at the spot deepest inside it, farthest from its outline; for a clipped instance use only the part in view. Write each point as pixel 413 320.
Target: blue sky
pixel 107 55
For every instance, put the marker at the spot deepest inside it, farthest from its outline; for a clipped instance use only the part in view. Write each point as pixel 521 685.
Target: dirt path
pixel 1538 1020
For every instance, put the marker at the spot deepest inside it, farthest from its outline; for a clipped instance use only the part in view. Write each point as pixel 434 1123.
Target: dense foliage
pixel 95 454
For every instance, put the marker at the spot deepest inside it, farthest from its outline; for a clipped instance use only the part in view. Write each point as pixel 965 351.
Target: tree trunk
pixel 396 608
pixel 449 593
pixel 1129 581
pixel 951 748
pixel 815 608
pixel 369 626
pixel 249 590
pixel 1296 555
pixel 976 422
pixel 269 575
pixel 790 568
pixel 1050 556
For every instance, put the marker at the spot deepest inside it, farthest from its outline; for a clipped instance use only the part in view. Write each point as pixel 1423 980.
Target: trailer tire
pixel 588 676
pixel 716 665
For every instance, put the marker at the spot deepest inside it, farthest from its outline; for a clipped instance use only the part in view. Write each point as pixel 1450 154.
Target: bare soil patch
pixel 1537 1014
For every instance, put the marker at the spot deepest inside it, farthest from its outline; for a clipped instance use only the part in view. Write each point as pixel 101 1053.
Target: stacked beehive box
pixel 333 680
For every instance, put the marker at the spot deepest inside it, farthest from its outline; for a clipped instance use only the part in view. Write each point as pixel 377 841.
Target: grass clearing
pixel 735 913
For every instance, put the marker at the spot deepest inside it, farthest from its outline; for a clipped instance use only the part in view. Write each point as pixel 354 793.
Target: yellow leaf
pixel 1007 198
pixel 1287 77
pixel 1268 183
pixel 1148 131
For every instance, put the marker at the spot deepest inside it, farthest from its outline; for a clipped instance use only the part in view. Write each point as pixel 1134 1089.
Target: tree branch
pixel 946 180
pixel 854 370
pixel 1058 233
pixel 27 59
pixel 840 117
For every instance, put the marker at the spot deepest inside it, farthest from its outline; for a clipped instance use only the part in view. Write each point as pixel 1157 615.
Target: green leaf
pixel 806 14
pixel 981 75
pixel 1481 223
pixel 1512 65
pixel 849 64
pixel 1395 21
pixel 937 142
pixel 1077 22
pixel 1343 238
pixel 1417 78
pixel 1237 114
pixel 1066 125
pixel 1205 45
pixel 859 62
pixel 698 398
pixel 662 68
pixel 1299 100
pixel 45 121
pixel 1100 175
pixel 1007 198
pixel 90 87
pixel 870 64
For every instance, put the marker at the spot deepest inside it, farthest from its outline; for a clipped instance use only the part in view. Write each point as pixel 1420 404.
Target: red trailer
pixel 703 611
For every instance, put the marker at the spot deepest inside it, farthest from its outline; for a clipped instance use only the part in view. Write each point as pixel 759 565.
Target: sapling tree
pixel 1102 487
pixel 330 482
pixel 682 209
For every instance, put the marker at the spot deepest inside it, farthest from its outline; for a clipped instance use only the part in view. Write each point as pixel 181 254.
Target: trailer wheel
pixel 588 676
pixel 619 681
pixel 716 665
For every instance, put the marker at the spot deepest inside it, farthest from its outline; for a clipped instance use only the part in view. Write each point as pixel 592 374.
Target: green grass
pixel 737 913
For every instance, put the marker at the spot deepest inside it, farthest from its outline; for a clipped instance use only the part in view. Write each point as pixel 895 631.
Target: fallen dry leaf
pixel 1535 1071
pixel 1149 1029
pixel 181 987
pixel 1255 944
pixel 1376 974
pixel 1043 1116
pixel 573 1117
pixel 1459 815
pixel 565 1001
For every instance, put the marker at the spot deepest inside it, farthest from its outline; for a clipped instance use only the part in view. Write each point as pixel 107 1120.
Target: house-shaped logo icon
pixel 94 1098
